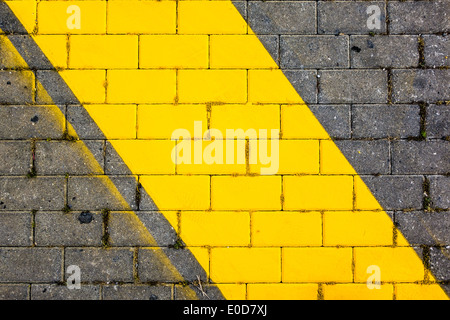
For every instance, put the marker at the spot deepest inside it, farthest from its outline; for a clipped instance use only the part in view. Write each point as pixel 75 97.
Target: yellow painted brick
pixel 53 17
pixel 141 86
pixel 396 264
pixel 103 51
pixel 25 11
pixel 332 161
pixel 298 122
pixel 160 121
pixel 295 157
pixel 233 291
pixel 246 193
pixel 357 228
pixel 115 121
pixel 146 156
pixel 357 291
pixel 215 228
pixel 318 193
pixel 271 86
pixel 87 85
pixel 173 51
pixel 9 57
pixel 210 17
pixel 286 229
pixel 282 291
pixel 245 265
pixel 178 192
pixel 364 199
pixel 55 47
pixel 317 264
pixel 141 17
pixel 239 51
pixel 228 86
pixel 413 291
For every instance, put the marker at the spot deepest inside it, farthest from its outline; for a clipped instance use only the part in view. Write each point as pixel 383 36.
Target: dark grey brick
pixel 53 90
pixel 382 51
pixel 82 122
pixel 16 87
pixel 25 122
pixel 15 229
pixel 15 157
pixel 396 192
pixel 114 163
pixel 14 291
pixel 419 16
pixel 288 17
pixel 314 52
pixel 195 292
pixel 440 191
pixel 438 121
pixel 305 82
pixel 385 121
pixel 241 6
pixel 30 264
pixel 420 157
pixel 97 264
pixel 420 85
pixel 334 118
pixel 272 45
pixel 353 86
pixel 147 202
pixel 73 157
pixel 437 50
pixel 41 193
pixel 137 292
pixel 66 229
pixel 348 17
pixel 440 262
pixel 61 292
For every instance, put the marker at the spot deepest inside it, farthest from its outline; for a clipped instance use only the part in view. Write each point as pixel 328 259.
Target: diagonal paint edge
pixel 11 25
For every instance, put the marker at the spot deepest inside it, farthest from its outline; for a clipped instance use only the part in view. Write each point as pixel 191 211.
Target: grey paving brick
pixel 154 265
pixel 367 157
pixel 40 193
pixel 305 82
pixel 30 264
pixel 385 121
pixel 97 264
pixel 15 157
pixel 440 191
pixel 440 262
pixel 195 292
pixel 420 85
pixel 419 16
pixel 7 24
pixel 15 229
pixel 146 202
pixel 272 45
pixel 113 193
pixel 14 291
pixel 137 292
pixel 437 50
pixel 16 87
pixel 334 118
pixel 61 292
pixel 287 17
pixel 424 228
pixel 25 122
pixel 396 192
pixel 314 52
pixel 420 157
pixel 382 51
pixel 68 229
pixel 353 86
pixel 349 17
pixel 438 121
pixel 85 127
pixel 52 89
pixel 73 157
pixel 114 163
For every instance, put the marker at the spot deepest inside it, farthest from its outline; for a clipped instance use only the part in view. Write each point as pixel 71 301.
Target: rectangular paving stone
pixel 353 86
pixel 83 123
pixel 385 121
pixel 305 82
pixel 419 16
pixel 349 17
pixel 39 193
pixel 440 263
pixel 62 292
pixel 288 17
pixel 54 87
pixel 314 52
pixel 437 50
pixel 420 85
pixel 30 264
pixel 439 191
pixel 16 87
pixel 97 264
pixel 137 292
pixel 193 292
pixel 382 51
pixel 438 121
pixel 15 157
pixel 68 229
pixel 15 229
pixel 420 157
pixel 14 291
pixel 334 118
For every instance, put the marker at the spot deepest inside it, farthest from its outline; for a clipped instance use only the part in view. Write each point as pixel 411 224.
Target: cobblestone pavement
pixel 87 179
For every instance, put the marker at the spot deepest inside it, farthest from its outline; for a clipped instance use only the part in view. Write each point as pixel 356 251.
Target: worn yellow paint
pixel 307 228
